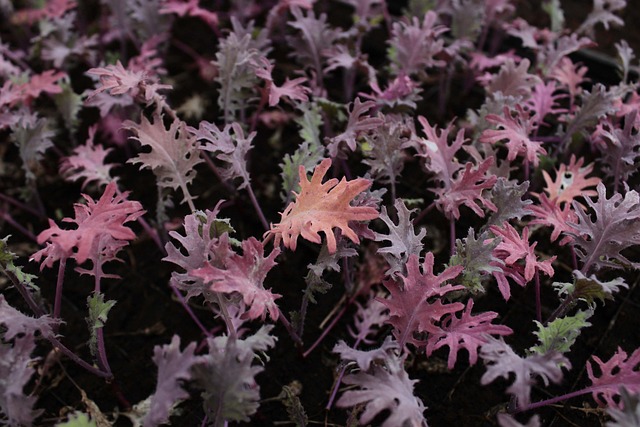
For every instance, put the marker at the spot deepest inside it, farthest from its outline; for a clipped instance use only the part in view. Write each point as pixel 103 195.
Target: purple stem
pixel 423 213
pixel 189 311
pixel 334 391
pixel 22 206
pixel 257 207
pixel 452 236
pixel 538 300
pixel 52 338
pixel 287 325
pixel 326 330
pixel 20 228
pixel 557 399
pixel 57 302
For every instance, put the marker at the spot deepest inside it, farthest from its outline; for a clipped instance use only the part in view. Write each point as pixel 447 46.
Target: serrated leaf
pixel 403 238
pixel 616 227
pixel 98 313
pixel 289 398
pixel 228 375
pixel 174 367
pixel 476 257
pixel 507 197
pixel 590 288
pixel 560 334
pixel 385 388
pixel 16 369
pixel 173 156
pixel 321 207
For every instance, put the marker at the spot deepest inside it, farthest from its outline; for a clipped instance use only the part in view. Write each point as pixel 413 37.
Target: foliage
pixel 491 156
pixel 322 207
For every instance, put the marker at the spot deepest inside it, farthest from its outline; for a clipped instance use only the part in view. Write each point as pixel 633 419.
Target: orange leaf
pixel 322 207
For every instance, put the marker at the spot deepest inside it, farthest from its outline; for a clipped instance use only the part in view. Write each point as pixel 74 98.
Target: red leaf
pixel 469 332
pixel 513 248
pixel 416 305
pixel 245 274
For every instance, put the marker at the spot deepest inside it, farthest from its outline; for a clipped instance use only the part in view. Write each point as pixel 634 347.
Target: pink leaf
pixel 416 305
pixel 617 372
pixel 502 361
pixel 469 332
pixel 245 274
pixel 440 155
pixel 515 129
pixel 466 189
pixel 87 163
pixel 95 221
pixel 550 214
pixel 513 248
pixel 571 182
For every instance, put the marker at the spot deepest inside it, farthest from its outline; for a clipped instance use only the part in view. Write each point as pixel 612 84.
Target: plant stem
pixel 538 299
pixel 231 330
pixel 287 325
pixel 328 329
pixel 24 292
pixel 423 213
pixel 8 218
pixel 452 236
pixel 57 302
pixel 257 207
pixel 555 399
pixel 190 312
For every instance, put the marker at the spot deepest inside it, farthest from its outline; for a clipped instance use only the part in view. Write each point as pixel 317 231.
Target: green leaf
pixel 560 334
pixel 8 267
pixel 98 312
pixel 556 14
pixel 69 104
pixel 78 419
pixel 477 258
pixel 590 288
pixel 308 154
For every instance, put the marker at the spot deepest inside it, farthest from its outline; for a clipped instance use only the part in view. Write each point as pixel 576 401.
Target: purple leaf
pixel 359 122
pixel 414 45
pixel 502 361
pixel 173 368
pixel 467 331
pixel 21 324
pixel 16 369
pixel 599 242
pixel 417 304
pixel 364 358
pixel 230 149
pixel 173 156
pixel 466 189
pixel 617 372
pixel 382 388
pixel 403 238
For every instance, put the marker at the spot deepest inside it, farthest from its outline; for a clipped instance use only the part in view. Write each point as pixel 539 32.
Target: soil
pixel 147 314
